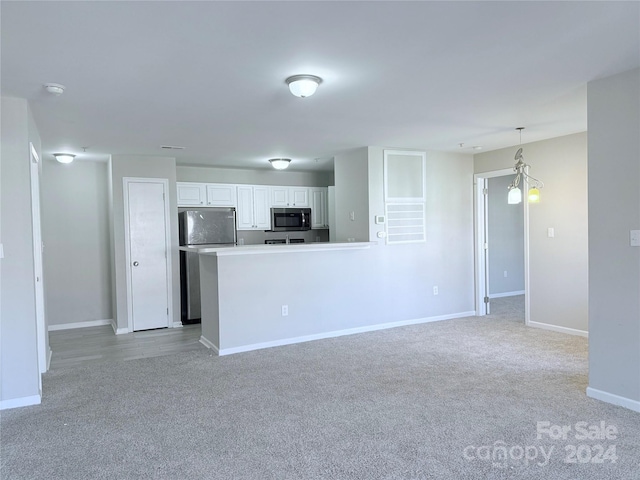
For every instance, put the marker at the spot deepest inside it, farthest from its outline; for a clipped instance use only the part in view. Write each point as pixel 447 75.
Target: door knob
pixel 135 264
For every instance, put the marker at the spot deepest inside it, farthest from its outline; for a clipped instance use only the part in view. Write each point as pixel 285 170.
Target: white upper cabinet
pixel 206 194
pixel 221 195
pixel 289 197
pixel 191 194
pixel 319 207
pixel 253 208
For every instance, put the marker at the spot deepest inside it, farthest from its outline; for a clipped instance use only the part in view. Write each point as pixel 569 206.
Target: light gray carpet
pixel 395 404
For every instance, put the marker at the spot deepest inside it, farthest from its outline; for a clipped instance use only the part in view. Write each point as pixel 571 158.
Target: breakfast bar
pixel 259 296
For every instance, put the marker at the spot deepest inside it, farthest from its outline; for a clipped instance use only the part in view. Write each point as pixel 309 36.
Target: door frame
pixel 44 352
pixel 479 235
pixel 127 249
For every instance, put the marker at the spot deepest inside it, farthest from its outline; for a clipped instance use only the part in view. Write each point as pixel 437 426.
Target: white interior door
pixel 41 322
pixel 148 254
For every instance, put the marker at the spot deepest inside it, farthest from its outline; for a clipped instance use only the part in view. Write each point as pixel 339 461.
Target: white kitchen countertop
pixel 226 250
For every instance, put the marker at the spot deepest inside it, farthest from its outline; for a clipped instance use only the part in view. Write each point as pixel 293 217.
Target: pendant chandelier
pixel 515 194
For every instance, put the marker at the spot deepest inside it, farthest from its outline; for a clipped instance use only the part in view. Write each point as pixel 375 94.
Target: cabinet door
pixel 190 194
pixel 299 197
pixel 244 214
pixel 221 195
pixel 318 208
pixel 261 208
pixel 279 197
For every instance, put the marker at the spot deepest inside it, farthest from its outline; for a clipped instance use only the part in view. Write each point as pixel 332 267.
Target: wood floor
pixel 92 345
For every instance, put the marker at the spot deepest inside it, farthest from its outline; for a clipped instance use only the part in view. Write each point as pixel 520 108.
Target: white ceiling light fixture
pixel 54 88
pixel 280 163
pixel 515 194
pixel 303 85
pixel 64 157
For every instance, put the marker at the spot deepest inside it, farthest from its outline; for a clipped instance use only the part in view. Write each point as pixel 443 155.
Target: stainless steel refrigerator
pixel 209 226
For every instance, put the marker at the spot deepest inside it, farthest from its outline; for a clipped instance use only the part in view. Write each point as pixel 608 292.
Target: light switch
pixel 551 232
pixel 634 238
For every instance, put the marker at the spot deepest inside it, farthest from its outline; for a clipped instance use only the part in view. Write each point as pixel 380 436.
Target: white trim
pixel 50 354
pixel 127 251
pixel 88 323
pixel 335 333
pixel 209 344
pixel 557 328
pixel 506 294
pixel 118 331
pixel 614 399
pixel 177 325
pixel 38 261
pixel 20 402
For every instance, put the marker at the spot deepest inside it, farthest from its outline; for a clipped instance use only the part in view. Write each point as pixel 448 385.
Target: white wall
pixel 505 238
pixel 19 374
pixel 75 231
pixel 558 267
pixel 253 177
pixel 144 167
pixel 614 266
pixel 446 258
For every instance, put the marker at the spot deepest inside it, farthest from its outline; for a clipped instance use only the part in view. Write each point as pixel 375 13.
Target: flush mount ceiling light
pixel 303 85
pixel 280 163
pixel 64 157
pixel 54 88
pixel 515 194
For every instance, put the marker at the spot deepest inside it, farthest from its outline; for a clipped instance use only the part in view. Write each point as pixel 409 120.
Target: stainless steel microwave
pixel 290 219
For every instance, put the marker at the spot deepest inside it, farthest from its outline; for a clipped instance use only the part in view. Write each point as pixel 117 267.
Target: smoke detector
pixel 54 88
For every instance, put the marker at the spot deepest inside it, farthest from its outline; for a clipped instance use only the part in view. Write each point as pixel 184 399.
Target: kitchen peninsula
pixel 259 296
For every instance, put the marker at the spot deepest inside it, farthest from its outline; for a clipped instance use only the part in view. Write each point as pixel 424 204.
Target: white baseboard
pixel 209 344
pixel 335 333
pixel 176 325
pixel 506 294
pixel 614 399
pixel 556 328
pixel 20 402
pixel 88 323
pixel 118 331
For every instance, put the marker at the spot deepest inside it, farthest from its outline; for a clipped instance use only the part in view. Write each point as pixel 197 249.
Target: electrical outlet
pixel 634 238
pixel 352 216
pixel 551 232
pixel 435 290
pixel 505 274
pixel 285 310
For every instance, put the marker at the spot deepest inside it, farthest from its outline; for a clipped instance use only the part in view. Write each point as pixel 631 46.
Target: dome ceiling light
pixel 280 163
pixel 303 85
pixel 64 157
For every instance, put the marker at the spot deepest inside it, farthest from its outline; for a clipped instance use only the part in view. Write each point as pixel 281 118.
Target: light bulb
pixel 515 196
pixel 534 195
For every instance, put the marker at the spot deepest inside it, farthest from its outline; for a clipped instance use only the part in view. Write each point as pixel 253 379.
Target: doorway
pixel 148 243
pixel 487 271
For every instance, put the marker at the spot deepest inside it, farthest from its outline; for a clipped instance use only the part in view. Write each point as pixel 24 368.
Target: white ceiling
pixel 210 75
